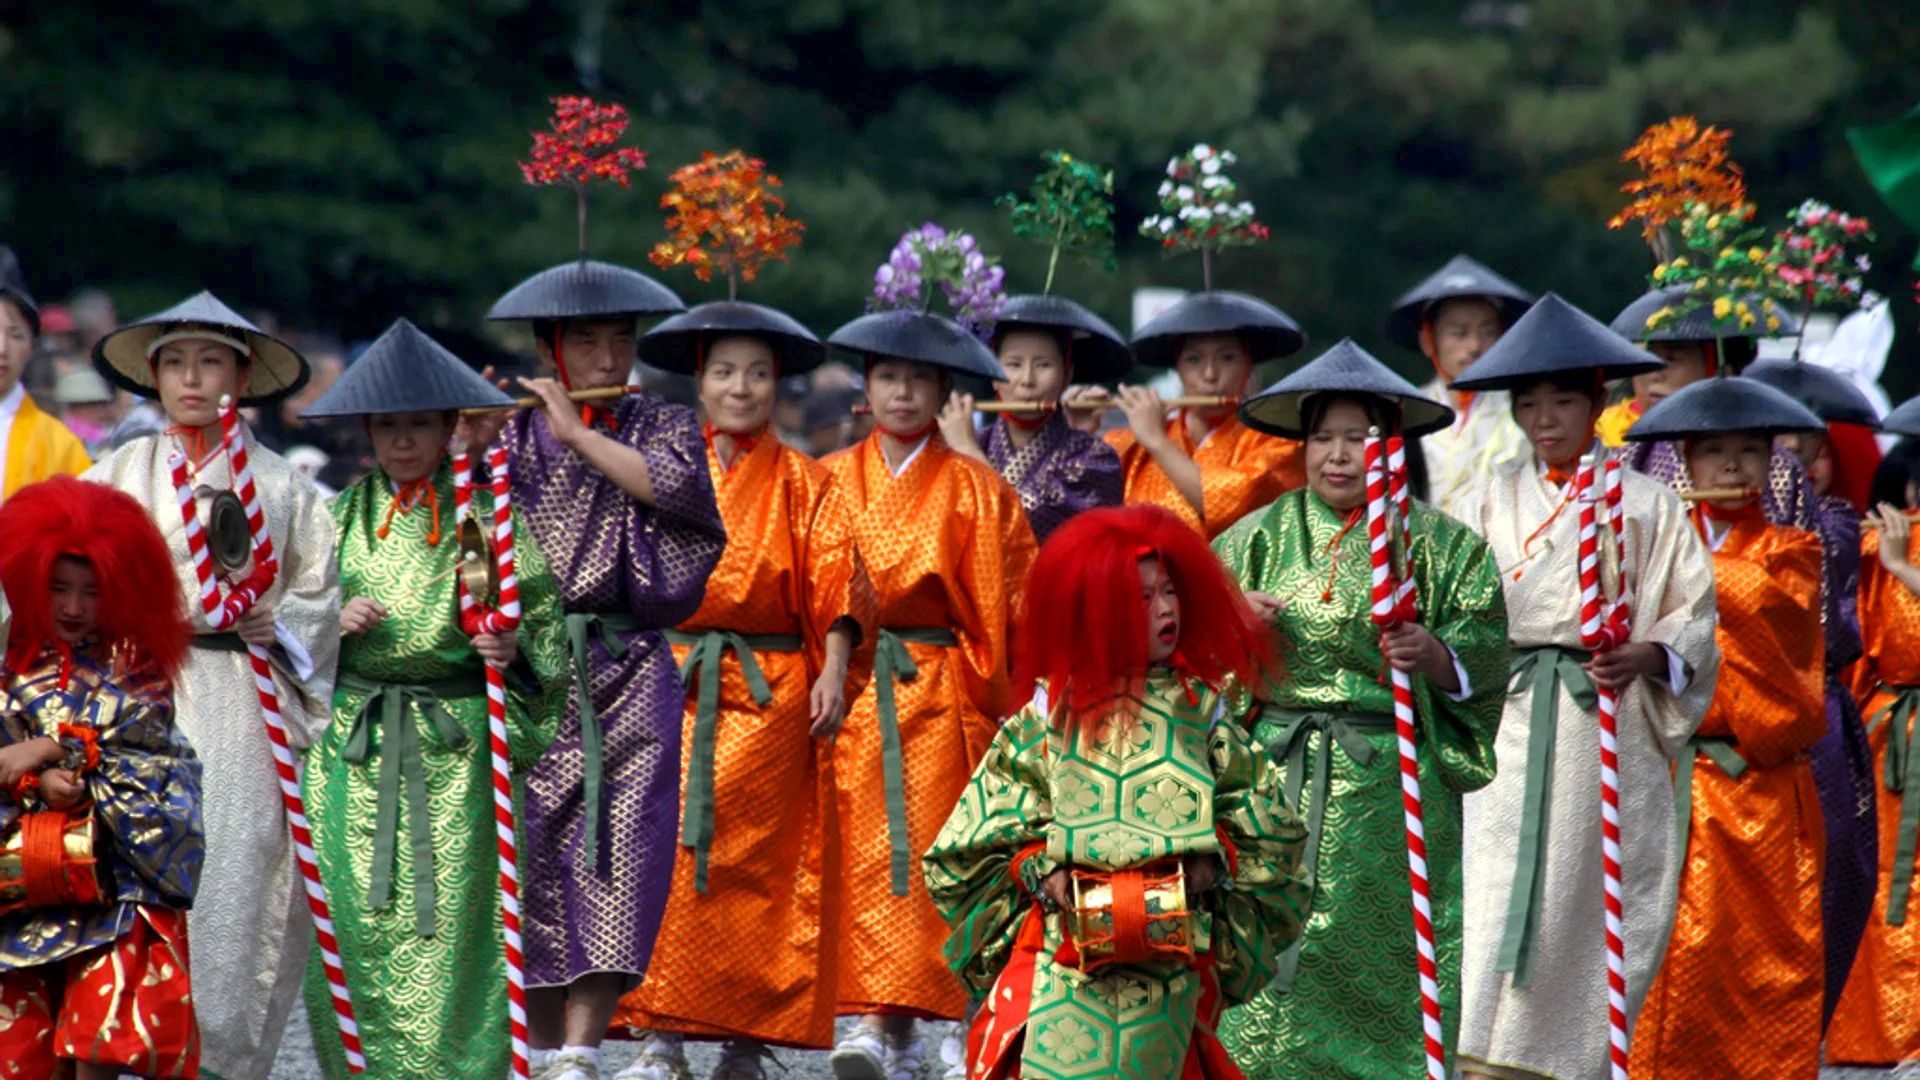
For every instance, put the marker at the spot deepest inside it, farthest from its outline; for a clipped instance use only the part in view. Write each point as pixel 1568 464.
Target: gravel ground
pixel 296 1061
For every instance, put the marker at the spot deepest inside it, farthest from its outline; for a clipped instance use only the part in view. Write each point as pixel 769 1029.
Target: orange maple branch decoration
pixel 579 148
pixel 1682 163
pixel 726 216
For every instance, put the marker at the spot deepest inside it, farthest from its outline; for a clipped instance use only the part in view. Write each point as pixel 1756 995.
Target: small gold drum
pixel 48 861
pixel 1131 916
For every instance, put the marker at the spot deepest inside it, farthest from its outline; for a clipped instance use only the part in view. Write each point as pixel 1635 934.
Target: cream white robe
pixel 1481 441
pixel 1556 1026
pixel 249 928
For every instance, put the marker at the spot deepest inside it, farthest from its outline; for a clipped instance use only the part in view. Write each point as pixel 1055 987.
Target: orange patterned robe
pixel 1878 1019
pixel 948 547
pixel 744 957
pixel 1739 993
pixel 1241 471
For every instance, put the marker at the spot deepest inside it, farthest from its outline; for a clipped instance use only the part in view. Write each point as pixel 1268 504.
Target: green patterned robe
pixel 428 1006
pixel 1353 1009
pixel 1165 785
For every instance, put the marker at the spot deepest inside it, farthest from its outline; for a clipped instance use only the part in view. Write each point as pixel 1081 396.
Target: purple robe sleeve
pixel 1059 473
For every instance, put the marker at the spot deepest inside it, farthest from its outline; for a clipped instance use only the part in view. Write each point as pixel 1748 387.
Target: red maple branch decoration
pixel 726 215
pixel 1681 163
pixel 581 147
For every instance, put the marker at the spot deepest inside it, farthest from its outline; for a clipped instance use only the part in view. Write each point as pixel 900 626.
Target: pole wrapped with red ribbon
pixel 1394 605
pixel 224 613
pixel 1604 625
pixel 476 618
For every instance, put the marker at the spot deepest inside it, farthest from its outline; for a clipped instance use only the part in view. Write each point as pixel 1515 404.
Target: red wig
pixel 142 615
pixel 1083 629
pixel 1856 455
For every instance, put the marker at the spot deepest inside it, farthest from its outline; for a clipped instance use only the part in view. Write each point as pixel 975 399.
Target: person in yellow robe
pixel 1452 318
pixel 33 444
pixel 1877 1022
pixel 1203 463
pixel 948 547
pixel 780 645
pixel 1739 992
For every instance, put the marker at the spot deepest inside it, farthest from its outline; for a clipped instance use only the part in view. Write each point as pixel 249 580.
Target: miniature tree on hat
pixel 1681 163
pixel 1071 210
pixel 580 147
pixel 930 256
pixel 727 215
pixel 1202 208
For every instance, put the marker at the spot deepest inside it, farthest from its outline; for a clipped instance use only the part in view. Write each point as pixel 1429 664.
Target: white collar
pixel 10 405
pixel 906 464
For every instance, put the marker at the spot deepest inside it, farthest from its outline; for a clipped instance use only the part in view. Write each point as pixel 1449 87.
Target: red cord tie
pixel 1333 550
pixel 410 495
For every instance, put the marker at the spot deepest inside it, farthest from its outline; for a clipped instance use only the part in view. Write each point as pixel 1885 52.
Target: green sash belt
pixel 892 662
pixel 396 704
pixel 1902 776
pixel 1719 749
pixel 706 650
pixel 1288 748
pixel 607 626
pixel 1541 672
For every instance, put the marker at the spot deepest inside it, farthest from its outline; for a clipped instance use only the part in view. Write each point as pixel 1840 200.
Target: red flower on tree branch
pixel 581 146
pixel 726 216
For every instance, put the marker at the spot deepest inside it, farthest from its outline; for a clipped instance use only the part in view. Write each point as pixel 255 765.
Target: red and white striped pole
pixel 221 615
pixel 1393 605
pixel 1604 625
pixel 475 619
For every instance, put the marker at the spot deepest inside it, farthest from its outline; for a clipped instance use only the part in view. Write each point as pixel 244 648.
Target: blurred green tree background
pixel 347 161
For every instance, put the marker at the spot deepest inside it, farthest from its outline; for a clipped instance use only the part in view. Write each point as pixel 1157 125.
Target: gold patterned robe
pixel 1555 1023
pixel 250 928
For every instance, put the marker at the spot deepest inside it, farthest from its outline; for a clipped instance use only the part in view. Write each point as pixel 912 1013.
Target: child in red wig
pixel 1121 845
pixel 99 793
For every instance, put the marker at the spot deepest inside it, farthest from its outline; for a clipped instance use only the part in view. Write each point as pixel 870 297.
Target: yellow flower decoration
pixel 1766 306
pixel 1746 321
pixel 1743 309
pixel 1755 254
pixel 1680 262
pixel 1726 253
pixel 1654 320
pixel 1660 272
pixel 1721 306
pixel 1773 323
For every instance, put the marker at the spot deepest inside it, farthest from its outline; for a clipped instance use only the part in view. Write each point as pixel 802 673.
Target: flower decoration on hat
pixel 1813 261
pixel 1682 164
pixel 1202 209
pixel 1725 270
pixel 1071 210
pixel 727 216
pixel 931 256
pixel 581 146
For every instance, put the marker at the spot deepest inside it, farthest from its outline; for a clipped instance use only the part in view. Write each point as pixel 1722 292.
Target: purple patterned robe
pixel 600 911
pixel 1058 474
pixel 1842 761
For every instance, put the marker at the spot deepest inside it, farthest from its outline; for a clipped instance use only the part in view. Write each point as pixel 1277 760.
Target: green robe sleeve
pixel 1262 910
pixel 1462 604
pixel 970 871
pixel 535 705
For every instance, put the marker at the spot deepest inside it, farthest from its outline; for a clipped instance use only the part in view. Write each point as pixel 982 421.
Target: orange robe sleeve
pixel 1773 648
pixel 1241 470
pixel 835 584
pixel 984 595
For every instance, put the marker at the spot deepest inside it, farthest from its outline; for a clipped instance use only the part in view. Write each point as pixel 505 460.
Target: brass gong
pixel 229 538
pixel 477 570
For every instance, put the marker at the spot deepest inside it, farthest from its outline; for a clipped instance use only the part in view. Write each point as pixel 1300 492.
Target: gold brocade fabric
pixel 1241 470
pixel 1739 992
pixel 1556 1024
pixel 790 569
pixel 1878 1019
pixel 948 546
pixel 250 928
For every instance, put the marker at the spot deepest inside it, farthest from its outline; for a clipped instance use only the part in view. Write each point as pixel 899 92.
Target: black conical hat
pixel 1695 325
pixel 1724 403
pixel 1344 369
pixel 404 370
pixel 1462 276
pixel 1100 355
pixel 1554 338
pixel 276 369
pixel 678 343
pixel 1904 419
pixel 1830 395
pixel 585 289
pixel 1269 332
pixel 921 336
pixel 13 286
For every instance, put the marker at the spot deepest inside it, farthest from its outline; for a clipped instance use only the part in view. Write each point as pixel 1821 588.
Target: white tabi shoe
pixel 862 1055
pixel 662 1057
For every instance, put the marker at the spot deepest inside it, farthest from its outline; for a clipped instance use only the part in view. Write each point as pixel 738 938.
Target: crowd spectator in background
pixel 87 407
pixel 33 445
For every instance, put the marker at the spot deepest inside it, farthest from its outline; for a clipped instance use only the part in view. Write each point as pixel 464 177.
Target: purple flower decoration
pixel 928 256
